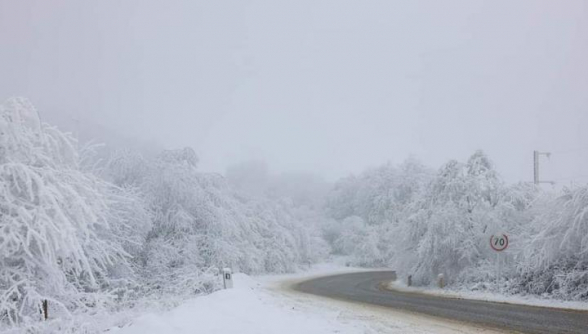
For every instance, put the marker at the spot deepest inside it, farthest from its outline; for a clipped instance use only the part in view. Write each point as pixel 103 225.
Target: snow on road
pixel 267 305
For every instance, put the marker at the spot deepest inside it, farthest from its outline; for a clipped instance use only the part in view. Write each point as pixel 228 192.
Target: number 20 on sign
pixel 499 242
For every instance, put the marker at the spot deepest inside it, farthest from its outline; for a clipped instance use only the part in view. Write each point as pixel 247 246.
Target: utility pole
pixel 536 167
pixel 536 155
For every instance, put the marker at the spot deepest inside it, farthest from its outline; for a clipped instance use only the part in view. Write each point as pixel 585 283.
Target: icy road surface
pixel 368 287
pixel 269 305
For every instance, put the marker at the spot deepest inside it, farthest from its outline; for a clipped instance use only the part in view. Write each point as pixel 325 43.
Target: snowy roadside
pixel 266 304
pixel 490 297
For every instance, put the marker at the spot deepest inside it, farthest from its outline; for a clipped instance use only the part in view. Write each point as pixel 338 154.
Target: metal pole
pixel 497 268
pixel 45 307
pixel 536 167
pixel 536 156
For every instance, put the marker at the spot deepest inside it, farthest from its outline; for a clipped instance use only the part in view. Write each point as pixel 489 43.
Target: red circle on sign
pixel 496 248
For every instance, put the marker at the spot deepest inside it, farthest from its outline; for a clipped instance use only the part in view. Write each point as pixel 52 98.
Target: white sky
pixel 326 86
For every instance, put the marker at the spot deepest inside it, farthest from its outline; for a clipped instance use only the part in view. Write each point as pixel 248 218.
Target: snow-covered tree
pixel 200 223
pixel 555 257
pixel 454 218
pixel 57 241
pixel 382 197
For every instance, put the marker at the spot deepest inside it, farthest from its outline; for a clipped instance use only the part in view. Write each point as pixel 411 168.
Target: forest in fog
pixel 94 229
pixel 426 222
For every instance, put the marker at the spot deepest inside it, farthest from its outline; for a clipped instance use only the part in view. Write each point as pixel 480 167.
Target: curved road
pixel 365 287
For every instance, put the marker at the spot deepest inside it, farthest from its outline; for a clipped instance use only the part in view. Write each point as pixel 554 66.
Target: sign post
pixel 499 243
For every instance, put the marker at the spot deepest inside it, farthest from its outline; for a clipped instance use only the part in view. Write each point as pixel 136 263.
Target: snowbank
pixel 490 297
pixel 240 310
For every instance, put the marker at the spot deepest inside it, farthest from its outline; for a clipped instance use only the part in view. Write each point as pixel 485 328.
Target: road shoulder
pixel 400 286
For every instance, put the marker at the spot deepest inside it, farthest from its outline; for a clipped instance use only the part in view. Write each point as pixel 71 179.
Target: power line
pixel 574 150
pixel 572 177
pixel 537 154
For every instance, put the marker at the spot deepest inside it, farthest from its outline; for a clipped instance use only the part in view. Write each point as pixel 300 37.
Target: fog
pixel 329 87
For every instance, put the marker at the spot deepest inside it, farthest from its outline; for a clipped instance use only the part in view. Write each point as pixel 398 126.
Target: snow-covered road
pixel 268 305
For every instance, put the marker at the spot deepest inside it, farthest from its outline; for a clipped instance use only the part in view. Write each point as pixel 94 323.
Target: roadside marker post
pixel 228 278
pixel 441 281
pixel 45 309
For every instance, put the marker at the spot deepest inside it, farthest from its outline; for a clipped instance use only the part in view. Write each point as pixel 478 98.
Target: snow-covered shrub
pixel 133 220
pixel 57 242
pixel 126 168
pixel 555 258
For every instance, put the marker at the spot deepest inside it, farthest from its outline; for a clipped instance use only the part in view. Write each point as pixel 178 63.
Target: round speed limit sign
pixel 499 242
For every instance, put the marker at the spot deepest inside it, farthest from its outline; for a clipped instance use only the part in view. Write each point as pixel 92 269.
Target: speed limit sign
pixel 499 242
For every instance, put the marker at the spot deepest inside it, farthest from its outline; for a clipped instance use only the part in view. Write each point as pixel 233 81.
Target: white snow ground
pixel 267 305
pixel 491 297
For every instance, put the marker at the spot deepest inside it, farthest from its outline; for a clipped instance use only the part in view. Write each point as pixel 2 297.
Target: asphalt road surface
pixel 366 287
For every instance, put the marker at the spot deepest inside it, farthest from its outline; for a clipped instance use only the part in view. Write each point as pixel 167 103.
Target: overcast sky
pixel 331 87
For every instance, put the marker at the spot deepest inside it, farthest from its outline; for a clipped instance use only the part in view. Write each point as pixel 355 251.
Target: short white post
pixel 228 278
pixel 441 281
